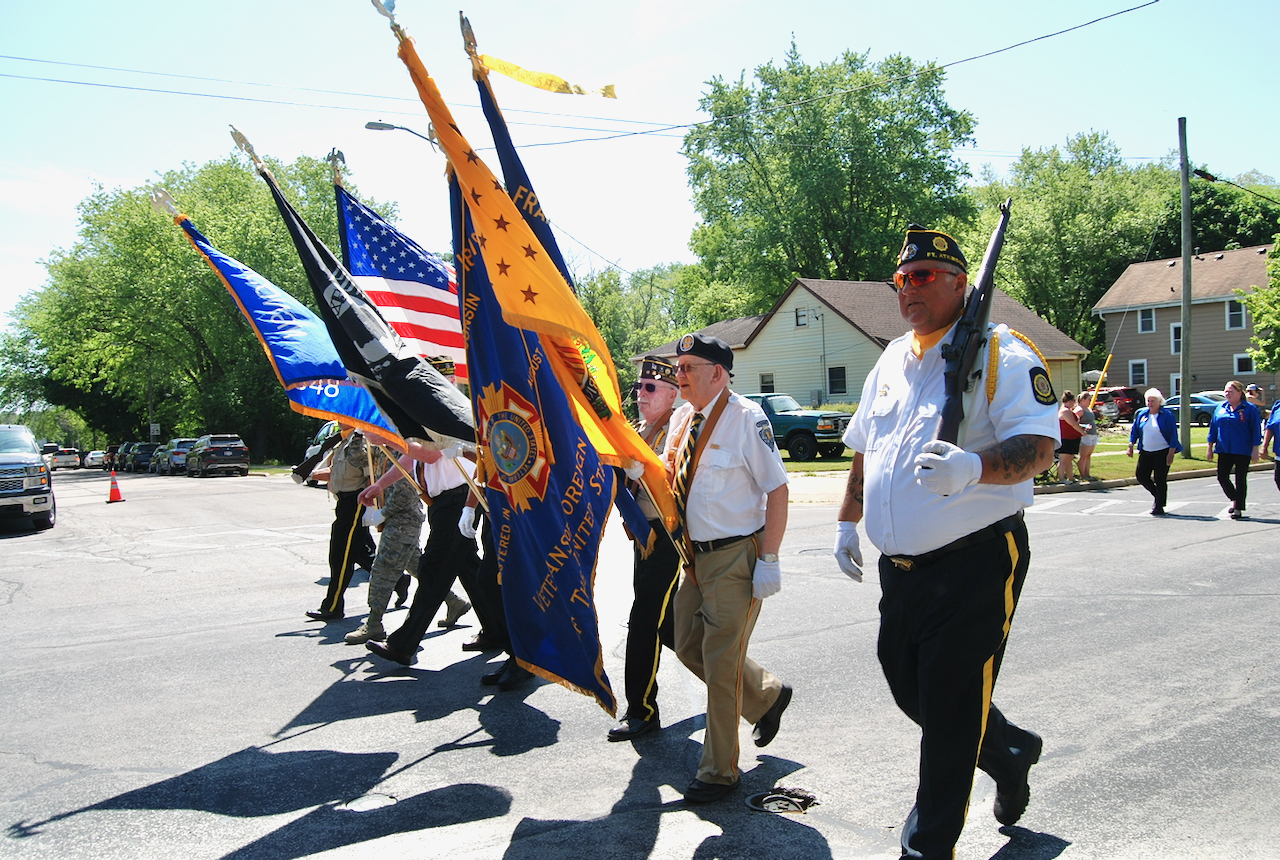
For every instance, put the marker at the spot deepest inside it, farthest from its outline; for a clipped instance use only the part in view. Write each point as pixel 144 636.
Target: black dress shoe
pixel 482 643
pixel 1157 511
pixel 629 728
pixel 387 653
pixel 324 615
pixel 402 589
pixel 767 728
pixel 708 792
pixel 1012 799
pixel 514 676
pixel 491 679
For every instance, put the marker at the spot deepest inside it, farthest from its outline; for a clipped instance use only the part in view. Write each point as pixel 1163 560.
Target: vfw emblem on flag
pixel 512 428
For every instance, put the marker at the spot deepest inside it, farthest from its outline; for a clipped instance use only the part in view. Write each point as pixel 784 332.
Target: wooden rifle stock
pixel 303 470
pixel 961 354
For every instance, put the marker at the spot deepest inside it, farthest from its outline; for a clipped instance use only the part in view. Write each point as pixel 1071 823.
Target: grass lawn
pixel 1109 460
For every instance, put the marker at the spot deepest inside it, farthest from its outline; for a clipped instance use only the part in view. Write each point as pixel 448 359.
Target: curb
pixel 1051 489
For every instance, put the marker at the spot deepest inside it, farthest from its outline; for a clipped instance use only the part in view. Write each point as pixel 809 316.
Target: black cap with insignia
pixel 923 244
pixel 712 348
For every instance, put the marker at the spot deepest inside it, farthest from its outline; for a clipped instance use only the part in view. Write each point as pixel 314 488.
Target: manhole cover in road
pixel 786 801
pixel 367 803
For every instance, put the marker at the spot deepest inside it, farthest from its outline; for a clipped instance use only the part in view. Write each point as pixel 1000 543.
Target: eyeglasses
pixel 645 386
pixel 918 277
pixel 684 368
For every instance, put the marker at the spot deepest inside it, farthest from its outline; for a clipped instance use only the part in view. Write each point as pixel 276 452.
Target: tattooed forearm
pixel 1017 459
pixel 851 508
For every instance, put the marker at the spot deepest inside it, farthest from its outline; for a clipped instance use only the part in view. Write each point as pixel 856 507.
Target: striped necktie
pixel 685 467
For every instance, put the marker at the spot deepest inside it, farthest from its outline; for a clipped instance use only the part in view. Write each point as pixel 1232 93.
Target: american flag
pixel 414 289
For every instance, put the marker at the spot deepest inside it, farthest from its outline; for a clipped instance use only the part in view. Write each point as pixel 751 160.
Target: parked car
pixel 1201 408
pixel 1105 405
pixel 139 457
pixel 26 481
pixel 1212 395
pixel 171 457
pixel 1128 400
pixel 320 473
pixel 803 432
pixel 217 452
pixel 122 456
pixel 65 458
pixel 94 459
pixel 109 457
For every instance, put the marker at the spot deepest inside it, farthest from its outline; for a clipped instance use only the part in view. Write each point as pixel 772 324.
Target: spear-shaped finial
pixel 468 35
pixel 387 9
pixel 163 202
pixel 246 147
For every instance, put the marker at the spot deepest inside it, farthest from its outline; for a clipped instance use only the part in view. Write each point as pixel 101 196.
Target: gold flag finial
pixel 163 202
pixel 245 146
pixel 335 155
pixel 468 35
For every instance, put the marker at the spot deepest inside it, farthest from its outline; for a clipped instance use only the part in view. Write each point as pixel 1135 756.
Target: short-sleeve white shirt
pixel 443 475
pixel 740 465
pixel 898 413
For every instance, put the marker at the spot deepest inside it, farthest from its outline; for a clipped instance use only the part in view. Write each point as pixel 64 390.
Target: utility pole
pixel 1184 367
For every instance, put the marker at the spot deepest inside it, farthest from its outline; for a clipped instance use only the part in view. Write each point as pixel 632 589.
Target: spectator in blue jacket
pixel 1155 432
pixel 1272 438
pixel 1235 435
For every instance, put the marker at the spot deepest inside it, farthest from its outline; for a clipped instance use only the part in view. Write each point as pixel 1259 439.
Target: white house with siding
pixel 821 339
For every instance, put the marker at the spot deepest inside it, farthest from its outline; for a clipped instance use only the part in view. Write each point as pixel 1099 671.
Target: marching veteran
pixel 653 578
pixel 730 489
pixel 948 521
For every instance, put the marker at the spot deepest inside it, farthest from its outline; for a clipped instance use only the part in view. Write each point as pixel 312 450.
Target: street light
pixel 1209 177
pixel 386 126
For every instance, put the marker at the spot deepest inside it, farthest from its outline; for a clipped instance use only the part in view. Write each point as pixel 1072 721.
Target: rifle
pixel 971 335
pixel 303 470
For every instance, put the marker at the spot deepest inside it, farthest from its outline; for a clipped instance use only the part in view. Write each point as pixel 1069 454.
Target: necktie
pixel 685 467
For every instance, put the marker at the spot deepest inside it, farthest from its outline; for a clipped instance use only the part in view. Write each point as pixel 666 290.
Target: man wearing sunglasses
pixel 650 625
pixel 731 492
pixel 948 523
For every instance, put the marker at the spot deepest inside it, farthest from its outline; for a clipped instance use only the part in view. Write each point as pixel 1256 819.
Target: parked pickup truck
pixel 805 433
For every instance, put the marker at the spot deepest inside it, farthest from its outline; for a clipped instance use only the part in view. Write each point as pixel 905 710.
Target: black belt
pixel 719 543
pixel 911 562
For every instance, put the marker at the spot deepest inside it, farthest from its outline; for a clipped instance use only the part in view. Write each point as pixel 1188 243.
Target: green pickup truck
pixel 805 433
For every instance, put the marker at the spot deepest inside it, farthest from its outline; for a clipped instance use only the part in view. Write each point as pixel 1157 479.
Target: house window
pixel 1146 321
pixel 1235 315
pixel 1175 384
pixel 802 317
pixel 766 383
pixel 1243 363
pixel 1138 373
pixel 836 381
pixel 1175 338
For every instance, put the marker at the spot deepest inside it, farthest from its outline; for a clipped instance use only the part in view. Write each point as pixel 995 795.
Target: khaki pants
pixel 714 617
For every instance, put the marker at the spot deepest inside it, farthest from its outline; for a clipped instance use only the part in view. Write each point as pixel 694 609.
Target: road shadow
pixel 630 830
pixel 1027 844
pixel 254 783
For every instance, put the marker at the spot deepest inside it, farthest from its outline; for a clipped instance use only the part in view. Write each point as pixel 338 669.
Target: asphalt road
pixel 162 696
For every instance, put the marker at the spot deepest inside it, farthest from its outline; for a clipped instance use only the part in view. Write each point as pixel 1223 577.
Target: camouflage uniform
pixel 398 550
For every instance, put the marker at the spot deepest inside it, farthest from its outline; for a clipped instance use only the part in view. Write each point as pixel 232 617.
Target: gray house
pixel 1143 316
pixel 821 339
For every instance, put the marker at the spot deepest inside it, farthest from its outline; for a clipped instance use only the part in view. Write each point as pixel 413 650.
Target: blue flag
pixel 295 341
pixel 547 490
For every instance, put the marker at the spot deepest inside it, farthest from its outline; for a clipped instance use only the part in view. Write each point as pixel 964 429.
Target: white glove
pixel 636 470
pixel 451 453
pixel 848 554
pixel 467 522
pixel 373 517
pixel 767 580
pixel 946 469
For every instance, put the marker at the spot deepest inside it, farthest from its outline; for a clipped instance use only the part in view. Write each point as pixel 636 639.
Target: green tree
pixel 1222 217
pixel 816 171
pixel 132 323
pixel 1264 306
pixel 1080 216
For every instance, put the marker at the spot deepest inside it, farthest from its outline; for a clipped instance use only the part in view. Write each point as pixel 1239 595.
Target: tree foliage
pixel 132 324
pixel 1264 306
pixel 816 171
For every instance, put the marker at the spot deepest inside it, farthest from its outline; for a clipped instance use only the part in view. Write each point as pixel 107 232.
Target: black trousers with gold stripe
pixel 943 630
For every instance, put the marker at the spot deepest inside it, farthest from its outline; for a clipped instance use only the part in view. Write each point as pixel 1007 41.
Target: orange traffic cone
pixel 115 490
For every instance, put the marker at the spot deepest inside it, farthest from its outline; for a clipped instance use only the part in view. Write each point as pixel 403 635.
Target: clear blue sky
pixel 623 201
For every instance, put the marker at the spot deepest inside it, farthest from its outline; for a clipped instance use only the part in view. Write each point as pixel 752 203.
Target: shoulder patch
pixel 1042 387
pixel 765 429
